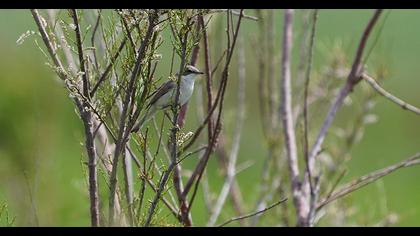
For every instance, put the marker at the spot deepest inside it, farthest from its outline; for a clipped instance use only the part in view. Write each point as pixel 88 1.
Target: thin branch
pixel 271 74
pixel 254 213
pixel 352 79
pixel 235 13
pixel 235 194
pixel 92 38
pixel 128 184
pixel 260 51
pixel 308 170
pixel 287 119
pixel 369 178
pixel 89 129
pixel 108 68
pixel 218 63
pixel 173 146
pixel 207 61
pixel 80 54
pixel 220 94
pixel 186 218
pixel 203 162
pixel 123 130
pixel 184 205
pixel 336 182
pixel 128 32
pixel 303 47
pixel 406 106
pixel 231 167
pixel 108 147
pixel 59 32
pixel 61 72
pixel 199 149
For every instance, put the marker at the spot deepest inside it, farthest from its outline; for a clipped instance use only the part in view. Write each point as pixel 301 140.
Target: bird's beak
pixel 200 73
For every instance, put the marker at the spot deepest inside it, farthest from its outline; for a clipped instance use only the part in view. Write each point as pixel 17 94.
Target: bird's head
pixel 191 72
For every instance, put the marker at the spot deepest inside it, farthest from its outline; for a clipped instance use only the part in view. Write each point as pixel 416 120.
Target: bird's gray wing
pixel 163 89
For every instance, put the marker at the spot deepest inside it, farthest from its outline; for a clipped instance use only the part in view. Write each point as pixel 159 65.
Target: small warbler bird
pixel 165 95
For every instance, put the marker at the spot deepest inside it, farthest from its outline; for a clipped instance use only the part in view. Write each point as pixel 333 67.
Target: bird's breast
pixel 185 92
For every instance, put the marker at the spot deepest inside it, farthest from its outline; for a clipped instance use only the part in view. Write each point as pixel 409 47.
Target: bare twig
pixel 235 194
pixel 88 124
pixel 271 74
pixel 235 13
pixel 287 119
pixel 262 80
pixel 208 73
pixel 80 54
pixel 303 47
pixel 352 79
pixel 254 213
pixel 186 217
pixel 129 184
pixel 177 170
pixel 173 145
pixel 108 67
pixel 31 198
pixel 92 38
pixel 369 178
pixel 213 71
pixel 220 94
pixel 53 54
pixel 308 171
pixel 231 167
pixel 218 126
pixel 406 106
pixel 59 32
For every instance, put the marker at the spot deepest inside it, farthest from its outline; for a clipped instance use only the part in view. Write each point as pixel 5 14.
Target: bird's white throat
pixel 187 88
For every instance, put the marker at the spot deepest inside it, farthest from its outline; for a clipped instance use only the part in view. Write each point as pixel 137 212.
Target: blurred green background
pixel 41 176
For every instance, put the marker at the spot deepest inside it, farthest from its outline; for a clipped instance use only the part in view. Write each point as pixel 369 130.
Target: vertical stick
pixel 87 121
pixel 287 119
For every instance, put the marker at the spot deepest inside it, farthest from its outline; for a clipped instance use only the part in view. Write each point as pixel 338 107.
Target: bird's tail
pixel 146 117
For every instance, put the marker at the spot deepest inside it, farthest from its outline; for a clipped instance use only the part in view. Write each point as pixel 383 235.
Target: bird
pixel 164 96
